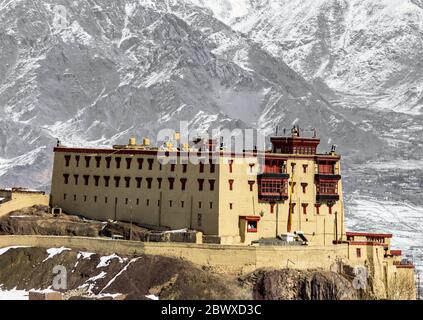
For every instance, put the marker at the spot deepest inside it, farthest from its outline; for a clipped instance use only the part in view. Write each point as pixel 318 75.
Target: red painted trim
pixel 395 252
pixel 405 266
pixel 250 218
pixel 367 234
pixel 367 243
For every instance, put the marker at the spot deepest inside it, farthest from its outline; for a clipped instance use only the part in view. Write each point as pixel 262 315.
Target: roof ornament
pixel 295 131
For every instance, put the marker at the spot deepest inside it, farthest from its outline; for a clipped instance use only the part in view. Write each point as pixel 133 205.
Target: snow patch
pixel 55 251
pixel 5 249
pixel 105 261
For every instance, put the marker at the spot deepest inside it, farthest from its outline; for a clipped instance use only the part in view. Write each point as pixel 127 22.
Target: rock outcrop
pixel 290 284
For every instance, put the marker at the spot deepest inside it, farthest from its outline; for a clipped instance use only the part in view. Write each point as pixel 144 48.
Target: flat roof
pixel 369 234
pixel 266 154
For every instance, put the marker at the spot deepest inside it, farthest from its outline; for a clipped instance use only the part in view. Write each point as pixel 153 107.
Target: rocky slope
pixel 145 277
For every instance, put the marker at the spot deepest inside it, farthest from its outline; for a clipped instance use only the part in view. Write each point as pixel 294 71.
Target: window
pixel 211 182
pixel 172 167
pixel 251 226
pixel 231 206
pixel 140 161
pixel 127 182
pixel 85 198
pixel 106 181
pixel 160 166
pixel 138 201
pixel 201 167
pixel 230 163
pixel 105 199
pixel 128 163
pixel 95 199
pixel 66 177
pixel 272 208
pixel 211 205
pixel 86 179
pixel 87 161
pixel 138 179
pixel 182 204
pixel 117 181
pixel 148 202
pixel 251 184
pixel 212 166
pixel 150 164
pixel 184 168
pixel 183 183
pixel 200 184
pixel 76 179
pixel 251 167
pixel 272 187
pixel 231 184
pixel 64 196
pixel 67 160
pixel 170 203
pixel 358 252
pixel 325 168
pixel 304 186
pixel 199 204
pixel 159 180
pixel 171 182
pixel 118 160
pixel 98 161
pixel 199 219
pixel 96 180
pixel 305 168
pixel 330 208
pixel 149 181
pixel 317 206
pixel 126 201
pixel 158 203
pixel 74 197
pixel 327 188
pixel 77 160
pixel 108 160
pixel 292 208
pixel 293 166
pixel 304 205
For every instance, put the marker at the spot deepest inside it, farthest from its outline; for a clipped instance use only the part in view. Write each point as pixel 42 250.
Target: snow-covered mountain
pixel 369 49
pixel 108 69
pixel 118 68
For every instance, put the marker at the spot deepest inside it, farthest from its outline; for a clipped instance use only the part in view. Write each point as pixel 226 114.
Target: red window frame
pixel 358 252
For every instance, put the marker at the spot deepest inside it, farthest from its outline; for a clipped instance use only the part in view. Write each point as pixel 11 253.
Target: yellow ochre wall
pixel 217 219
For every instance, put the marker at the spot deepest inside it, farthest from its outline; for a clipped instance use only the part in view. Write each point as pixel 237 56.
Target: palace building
pixel 232 198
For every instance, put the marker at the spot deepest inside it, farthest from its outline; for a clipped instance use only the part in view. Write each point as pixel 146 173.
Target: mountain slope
pixel 367 49
pixel 118 68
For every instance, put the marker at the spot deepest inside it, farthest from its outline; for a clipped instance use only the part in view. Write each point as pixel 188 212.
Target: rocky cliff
pixel 90 275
